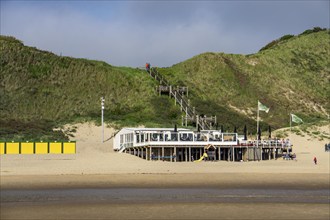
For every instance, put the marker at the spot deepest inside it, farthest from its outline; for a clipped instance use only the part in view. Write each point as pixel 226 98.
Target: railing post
pixel 197 122
pixel 181 103
pixel 182 120
pixel 186 115
pixel 203 122
pixel 175 98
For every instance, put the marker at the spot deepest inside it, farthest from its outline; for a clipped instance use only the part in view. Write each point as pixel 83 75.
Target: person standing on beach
pixel 294 157
pixel 315 160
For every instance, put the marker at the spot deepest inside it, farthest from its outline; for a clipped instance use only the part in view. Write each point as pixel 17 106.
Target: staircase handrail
pixel 122 148
pixel 178 95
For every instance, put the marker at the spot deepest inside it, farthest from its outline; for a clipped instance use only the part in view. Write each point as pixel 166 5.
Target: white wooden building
pixel 185 145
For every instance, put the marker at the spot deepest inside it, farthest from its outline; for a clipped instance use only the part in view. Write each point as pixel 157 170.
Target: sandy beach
pixel 95 157
pixel 96 166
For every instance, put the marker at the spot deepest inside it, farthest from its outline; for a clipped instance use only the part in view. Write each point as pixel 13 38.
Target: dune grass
pixel 289 77
pixel 40 88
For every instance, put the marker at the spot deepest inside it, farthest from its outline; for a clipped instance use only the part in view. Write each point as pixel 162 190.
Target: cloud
pixel 163 33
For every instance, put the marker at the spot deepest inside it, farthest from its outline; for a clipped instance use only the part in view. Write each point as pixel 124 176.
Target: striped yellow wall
pixel 12 148
pixel 37 148
pixel 69 148
pixel 55 148
pixel 27 148
pixel 2 147
pixel 41 147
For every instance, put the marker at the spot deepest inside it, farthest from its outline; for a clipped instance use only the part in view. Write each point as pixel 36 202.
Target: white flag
pixel 296 119
pixel 262 107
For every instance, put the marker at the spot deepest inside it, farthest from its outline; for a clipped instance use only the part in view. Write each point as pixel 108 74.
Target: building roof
pixel 156 129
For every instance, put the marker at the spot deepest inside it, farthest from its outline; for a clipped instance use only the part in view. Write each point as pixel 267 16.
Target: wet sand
pixel 180 180
pixel 169 196
pixel 168 211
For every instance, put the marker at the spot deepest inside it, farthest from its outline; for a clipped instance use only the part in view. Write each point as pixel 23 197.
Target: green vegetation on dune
pixel 40 90
pixel 40 86
pixel 37 130
pixel 291 76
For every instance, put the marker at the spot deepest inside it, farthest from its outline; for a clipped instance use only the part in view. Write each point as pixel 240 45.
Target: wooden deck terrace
pixel 221 150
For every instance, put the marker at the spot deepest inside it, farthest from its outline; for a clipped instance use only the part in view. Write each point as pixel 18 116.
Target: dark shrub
pixel 314 30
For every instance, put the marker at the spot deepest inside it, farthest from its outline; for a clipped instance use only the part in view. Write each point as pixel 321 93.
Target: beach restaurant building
pixel 180 144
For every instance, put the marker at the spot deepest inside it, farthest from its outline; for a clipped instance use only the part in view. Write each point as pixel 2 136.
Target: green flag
pixel 296 119
pixel 262 107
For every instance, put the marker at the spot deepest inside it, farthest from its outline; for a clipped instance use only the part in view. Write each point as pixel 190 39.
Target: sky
pixel 163 33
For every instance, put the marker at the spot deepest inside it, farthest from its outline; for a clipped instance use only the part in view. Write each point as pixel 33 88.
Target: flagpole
pixel 257 123
pixel 258 132
pixel 290 120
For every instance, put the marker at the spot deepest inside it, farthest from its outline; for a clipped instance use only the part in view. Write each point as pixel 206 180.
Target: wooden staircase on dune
pixel 180 95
